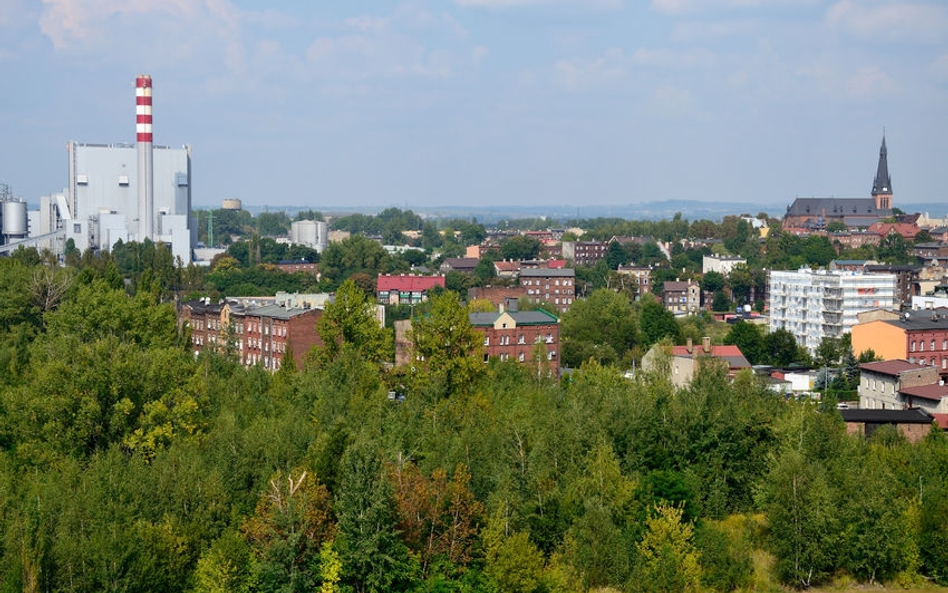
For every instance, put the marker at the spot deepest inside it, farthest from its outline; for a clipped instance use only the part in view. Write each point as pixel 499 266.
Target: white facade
pixel 101 203
pixel 816 304
pixel 311 233
pixel 722 264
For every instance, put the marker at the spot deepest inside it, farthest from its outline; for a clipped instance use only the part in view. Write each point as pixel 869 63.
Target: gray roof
pixel 910 416
pixel 922 320
pixel 837 207
pixel 538 317
pixel 882 184
pixel 548 272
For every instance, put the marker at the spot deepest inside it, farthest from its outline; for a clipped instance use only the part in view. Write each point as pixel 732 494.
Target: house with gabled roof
pixel 406 289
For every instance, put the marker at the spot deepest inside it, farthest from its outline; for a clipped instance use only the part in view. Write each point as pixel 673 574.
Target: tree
pixel 747 337
pixel 780 348
pixel 713 281
pixel 668 559
pixel 373 557
pixel 349 322
pixel 292 520
pixel 604 320
pixel 657 322
pixel 445 345
pixel 800 517
pixel 520 247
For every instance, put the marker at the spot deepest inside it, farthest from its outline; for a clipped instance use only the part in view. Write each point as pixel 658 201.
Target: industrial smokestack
pixel 146 178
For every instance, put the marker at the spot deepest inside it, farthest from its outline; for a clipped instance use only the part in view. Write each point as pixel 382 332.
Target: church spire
pixel 882 185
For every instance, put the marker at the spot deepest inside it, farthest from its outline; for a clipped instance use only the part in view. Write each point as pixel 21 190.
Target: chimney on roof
pixel 706 344
pixel 689 346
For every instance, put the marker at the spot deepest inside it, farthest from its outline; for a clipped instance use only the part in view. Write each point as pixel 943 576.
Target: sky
pixel 418 103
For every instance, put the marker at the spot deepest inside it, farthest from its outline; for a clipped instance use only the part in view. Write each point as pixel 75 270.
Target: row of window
pixel 933 361
pixel 505 340
pixel 504 357
pixel 921 345
pixel 539 281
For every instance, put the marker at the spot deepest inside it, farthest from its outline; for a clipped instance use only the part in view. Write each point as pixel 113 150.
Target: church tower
pixel 882 186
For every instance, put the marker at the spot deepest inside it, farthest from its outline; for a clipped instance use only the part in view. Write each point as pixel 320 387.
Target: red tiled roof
pixel 942 420
pixel 556 263
pixel 933 392
pixel 905 229
pixel 409 283
pixel 889 367
pixel 732 354
pixel 507 266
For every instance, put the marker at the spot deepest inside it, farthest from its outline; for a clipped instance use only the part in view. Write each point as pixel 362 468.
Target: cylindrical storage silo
pixel 14 220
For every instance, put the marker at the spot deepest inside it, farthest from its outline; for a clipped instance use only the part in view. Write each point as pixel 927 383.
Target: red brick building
pixel 258 334
pixel 512 335
pixel 553 285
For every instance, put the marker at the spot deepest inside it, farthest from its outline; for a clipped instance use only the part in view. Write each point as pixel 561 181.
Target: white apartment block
pixel 722 264
pixel 813 304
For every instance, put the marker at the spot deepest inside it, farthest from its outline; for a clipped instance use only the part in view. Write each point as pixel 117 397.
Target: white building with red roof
pixel 405 289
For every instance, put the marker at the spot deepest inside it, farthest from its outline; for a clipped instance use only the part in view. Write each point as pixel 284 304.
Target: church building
pixel 813 214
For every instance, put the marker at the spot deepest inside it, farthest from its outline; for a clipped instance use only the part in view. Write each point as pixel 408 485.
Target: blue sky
pixel 468 102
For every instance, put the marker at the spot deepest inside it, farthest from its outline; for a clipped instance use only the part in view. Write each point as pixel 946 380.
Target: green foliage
pixel 349 323
pixel 668 560
pixel 657 322
pixel 355 254
pixel 520 247
pixel 602 327
pixel 446 349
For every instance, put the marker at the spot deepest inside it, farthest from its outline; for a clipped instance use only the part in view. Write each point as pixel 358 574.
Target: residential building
pixel 402 289
pixel 920 337
pixel 498 295
pixel 641 278
pixel 585 253
pixel 556 286
pixel 513 335
pixel 906 279
pixel 816 304
pixel 913 424
pixel 464 265
pixel 881 383
pixel 681 297
pixel 257 334
pixel 507 269
pixel 722 264
pixel 687 360
pixel 299 266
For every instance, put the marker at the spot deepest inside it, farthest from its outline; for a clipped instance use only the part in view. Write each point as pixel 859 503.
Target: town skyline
pixel 490 102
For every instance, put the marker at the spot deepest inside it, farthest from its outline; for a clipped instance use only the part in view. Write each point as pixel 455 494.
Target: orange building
pixel 920 337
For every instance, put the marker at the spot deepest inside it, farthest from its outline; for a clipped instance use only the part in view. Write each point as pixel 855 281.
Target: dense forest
pixel 128 464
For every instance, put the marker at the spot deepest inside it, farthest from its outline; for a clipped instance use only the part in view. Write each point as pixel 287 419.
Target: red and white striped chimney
pixel 146 181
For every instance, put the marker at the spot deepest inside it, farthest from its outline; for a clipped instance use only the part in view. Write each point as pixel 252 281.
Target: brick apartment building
pixel 920 337
pixel 553 285
pixel 512 335
pixel 258 334
pixel 681 297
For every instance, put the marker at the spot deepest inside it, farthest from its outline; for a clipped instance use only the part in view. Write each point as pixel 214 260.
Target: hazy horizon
pixel 490 102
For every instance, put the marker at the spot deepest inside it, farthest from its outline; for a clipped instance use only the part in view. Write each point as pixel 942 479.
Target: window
pixel 921 345
pixel 77 228
pixel 521 357
pixel 487 340
pixel 913 345
pixel 933 345
pixel 521 340
pixel 944 344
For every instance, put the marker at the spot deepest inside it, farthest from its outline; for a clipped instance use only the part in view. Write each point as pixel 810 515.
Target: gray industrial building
pixel 120 192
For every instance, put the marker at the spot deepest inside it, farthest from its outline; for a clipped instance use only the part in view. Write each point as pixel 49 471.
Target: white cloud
pixel 68 22
pixel 939 67
pixel 838 82
pixel 677 7
pixel 585 4
pixel 367 23
pixel 479 54
pixel 666 58
pixel 672 102
pixel 890 20
pixel 585 74
pixel 692 32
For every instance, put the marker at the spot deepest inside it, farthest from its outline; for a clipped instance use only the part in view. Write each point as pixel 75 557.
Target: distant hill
pixel 658 210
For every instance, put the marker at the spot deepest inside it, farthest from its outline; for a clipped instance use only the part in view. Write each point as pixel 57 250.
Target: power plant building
pixel 123 192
